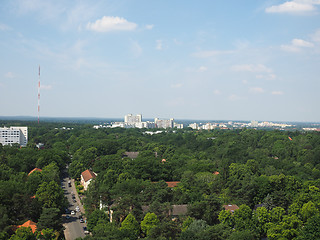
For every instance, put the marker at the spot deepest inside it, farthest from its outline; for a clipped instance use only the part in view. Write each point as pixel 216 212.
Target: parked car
pixel 81 220
pixel 85 230
pixel 67 216
pixel 73 213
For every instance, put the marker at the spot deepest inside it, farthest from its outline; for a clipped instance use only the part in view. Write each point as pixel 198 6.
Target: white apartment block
pixel 132 119
pixel 12 135
pixel 163 123
pixel 194 126
pixel 178 125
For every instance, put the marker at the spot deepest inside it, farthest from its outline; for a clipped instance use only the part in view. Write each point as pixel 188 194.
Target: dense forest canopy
pixel 273 176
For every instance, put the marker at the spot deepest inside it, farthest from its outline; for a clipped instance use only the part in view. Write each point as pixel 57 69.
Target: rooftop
pixel 88 174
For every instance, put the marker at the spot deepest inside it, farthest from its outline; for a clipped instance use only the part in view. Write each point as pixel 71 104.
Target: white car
pixel 73 213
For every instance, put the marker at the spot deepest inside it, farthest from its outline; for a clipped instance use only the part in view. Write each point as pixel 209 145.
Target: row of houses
pixel 175 211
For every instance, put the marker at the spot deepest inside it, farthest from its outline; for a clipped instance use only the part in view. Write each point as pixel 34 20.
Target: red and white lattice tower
pixel 39 97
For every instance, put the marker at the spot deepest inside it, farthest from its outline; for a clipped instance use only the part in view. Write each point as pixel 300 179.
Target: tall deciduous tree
pixel 131 226
pixel 50 218
pixel 50 195
pixel 149 221
pixel 23 234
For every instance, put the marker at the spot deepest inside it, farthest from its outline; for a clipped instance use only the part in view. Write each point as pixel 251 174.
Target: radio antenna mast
pixel 39 97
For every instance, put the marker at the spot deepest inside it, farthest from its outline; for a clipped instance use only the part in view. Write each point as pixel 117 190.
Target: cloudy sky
pixel 232 60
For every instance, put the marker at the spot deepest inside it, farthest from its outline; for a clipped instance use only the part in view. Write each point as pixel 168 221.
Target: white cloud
pixel 301 43
pixel 9 75
pixel 159 45
pixel 297 45
pixel 269 76
pixel 256 90
pixel 177 85
pixel 206 54
pixel 290 48
pixel 45 10
pixel 316 36
pixel 107 24
pixel 177 42
pixel 277 93
pixel 251 68
pixel 295 6
pixel 233 97
pixel 4 27
pixel 202 69
pixel 136 49
pixel 46 87
pixel 216 92
pixel 149 26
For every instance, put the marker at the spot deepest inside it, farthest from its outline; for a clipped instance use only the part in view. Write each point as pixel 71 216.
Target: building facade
pixel 163 123
pixel 132 119
pixel 13 135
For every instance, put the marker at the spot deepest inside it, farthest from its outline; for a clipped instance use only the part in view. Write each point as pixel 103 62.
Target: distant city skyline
pixel 215 60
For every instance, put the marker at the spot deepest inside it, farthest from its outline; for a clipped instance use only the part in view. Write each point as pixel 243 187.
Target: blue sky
pixel 233 60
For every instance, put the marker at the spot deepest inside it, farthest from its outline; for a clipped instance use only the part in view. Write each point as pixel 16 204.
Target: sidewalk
pixel 74 190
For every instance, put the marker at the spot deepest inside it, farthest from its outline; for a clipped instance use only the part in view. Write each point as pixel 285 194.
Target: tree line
pixel 273 176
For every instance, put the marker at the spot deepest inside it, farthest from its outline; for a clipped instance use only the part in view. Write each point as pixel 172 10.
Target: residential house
pixel 131 155
pixel 35 170
pixel 86 178
pixel 172 184
pixel 231 207
pixel 30 224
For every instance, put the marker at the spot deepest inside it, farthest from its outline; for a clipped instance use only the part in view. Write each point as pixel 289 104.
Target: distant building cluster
pixel 232 125
pixel 135 121
pixel 14 135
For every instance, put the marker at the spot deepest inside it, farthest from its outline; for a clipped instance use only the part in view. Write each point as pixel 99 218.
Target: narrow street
pixel 71 219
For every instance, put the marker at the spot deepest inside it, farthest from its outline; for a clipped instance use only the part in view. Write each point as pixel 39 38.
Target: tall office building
pixel 12 135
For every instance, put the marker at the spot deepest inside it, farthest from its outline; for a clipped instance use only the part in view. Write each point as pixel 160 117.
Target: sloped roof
pixel 35 169
pixel 30 224
pixel 231 207
pixel 131 155
pixel 172 184
pixel 178 210
pixel 88 174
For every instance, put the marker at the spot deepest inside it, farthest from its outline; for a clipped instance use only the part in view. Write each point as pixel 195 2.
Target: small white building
pixel 86 178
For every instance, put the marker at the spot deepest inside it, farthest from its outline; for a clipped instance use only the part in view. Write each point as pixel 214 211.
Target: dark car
pixel 85 230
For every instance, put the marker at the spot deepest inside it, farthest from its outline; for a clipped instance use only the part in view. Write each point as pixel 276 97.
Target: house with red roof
pixel 35 170
pixel 86 178
pixel 231 207
pixel 172 184
pixel 30 224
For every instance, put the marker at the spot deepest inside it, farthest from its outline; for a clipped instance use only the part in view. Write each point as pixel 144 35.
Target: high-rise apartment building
pixel 164 123
pixel 12 135
pixel 132 119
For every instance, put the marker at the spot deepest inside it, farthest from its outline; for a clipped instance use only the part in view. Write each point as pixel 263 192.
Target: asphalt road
pixel 73 227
